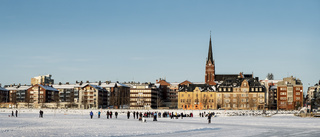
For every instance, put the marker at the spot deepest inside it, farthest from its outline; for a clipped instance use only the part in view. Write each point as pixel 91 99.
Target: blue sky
pixel 145 40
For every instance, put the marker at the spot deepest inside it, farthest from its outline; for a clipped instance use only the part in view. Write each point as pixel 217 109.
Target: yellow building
pixel 196 97
pixel 241 94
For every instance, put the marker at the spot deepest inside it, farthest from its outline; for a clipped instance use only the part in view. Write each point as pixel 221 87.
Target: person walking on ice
pixel 209 118
pixel 128 114
pixel 91 114
pixel 41 114
pixel 116 114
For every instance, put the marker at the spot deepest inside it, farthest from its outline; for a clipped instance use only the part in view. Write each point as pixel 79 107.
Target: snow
pixel 78 123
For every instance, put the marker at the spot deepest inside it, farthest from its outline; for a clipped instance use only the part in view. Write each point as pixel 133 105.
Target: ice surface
pixel 78 123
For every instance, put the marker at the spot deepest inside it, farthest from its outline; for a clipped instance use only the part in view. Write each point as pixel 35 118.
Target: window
pixel 260 89
pixel 254 95
pixel 220 89
pixel 229 89
pixel 297 93
pixel 234 95
pixel 224 89
pixel 252 89
pixel 210 95
pixel 283 98
pixel 181 95
pixel 297 98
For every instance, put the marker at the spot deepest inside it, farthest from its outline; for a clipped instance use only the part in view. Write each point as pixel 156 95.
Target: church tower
pixel 210 68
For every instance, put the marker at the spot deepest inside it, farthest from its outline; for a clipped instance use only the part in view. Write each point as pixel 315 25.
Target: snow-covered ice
pixel 78 123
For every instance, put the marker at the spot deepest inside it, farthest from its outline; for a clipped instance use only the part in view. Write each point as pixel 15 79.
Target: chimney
pixel 0 84
pixel 60 83
pixel 67 83
pixel 77 82
pixel 99 83
pixel 87 81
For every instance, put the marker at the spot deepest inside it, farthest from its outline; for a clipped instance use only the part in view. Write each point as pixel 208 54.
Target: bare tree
pixel 238 101
pixel 251 102
pixel 205 101
pixel 270 76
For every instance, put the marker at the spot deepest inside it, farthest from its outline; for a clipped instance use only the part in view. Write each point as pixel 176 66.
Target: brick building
pixel 290 94
pixel 38 95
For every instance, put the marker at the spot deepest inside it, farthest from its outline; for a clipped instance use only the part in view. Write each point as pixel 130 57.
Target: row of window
pixel 140 95
pixel 148 91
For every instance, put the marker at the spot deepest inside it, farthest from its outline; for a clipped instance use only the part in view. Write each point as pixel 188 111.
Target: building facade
pixel 43 80
pixel 143 96
pixel 241 94
pixel 92 96
pixel 17 94
pixel 196 97
pixel 38 95
pixel 290 94
pixel 271 94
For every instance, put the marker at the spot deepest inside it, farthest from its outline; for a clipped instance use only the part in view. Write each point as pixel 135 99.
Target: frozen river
pixel 78 123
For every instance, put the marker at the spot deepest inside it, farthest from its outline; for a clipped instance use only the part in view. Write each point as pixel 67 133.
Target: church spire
pixel 210 56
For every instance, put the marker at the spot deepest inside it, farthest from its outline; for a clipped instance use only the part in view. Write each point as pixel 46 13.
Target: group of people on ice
pixel 141 116
pixel 12 114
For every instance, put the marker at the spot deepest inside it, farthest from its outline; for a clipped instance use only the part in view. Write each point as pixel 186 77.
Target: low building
pixel 290 94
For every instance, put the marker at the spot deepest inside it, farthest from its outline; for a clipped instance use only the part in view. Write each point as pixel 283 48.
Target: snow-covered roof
pixel 48 88
pixel 64 86
pixel 105 85
pixel 18 88
pixel 3 89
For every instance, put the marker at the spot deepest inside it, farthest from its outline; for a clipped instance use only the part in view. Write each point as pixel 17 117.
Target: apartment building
pixel 290 94
pixel 92 96
pixel 144 95
pixel 38 95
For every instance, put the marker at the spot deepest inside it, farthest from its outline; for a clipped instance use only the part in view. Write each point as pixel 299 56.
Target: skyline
pixel 146 40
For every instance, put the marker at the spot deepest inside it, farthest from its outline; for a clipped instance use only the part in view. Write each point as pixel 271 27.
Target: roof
pixel 18 88
pixel 3 89
pixel 202 87
pixel 109 85
pixel 47 87
pixel 64 86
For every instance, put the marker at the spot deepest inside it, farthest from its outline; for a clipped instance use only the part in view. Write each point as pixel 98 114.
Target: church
pixel 211 78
